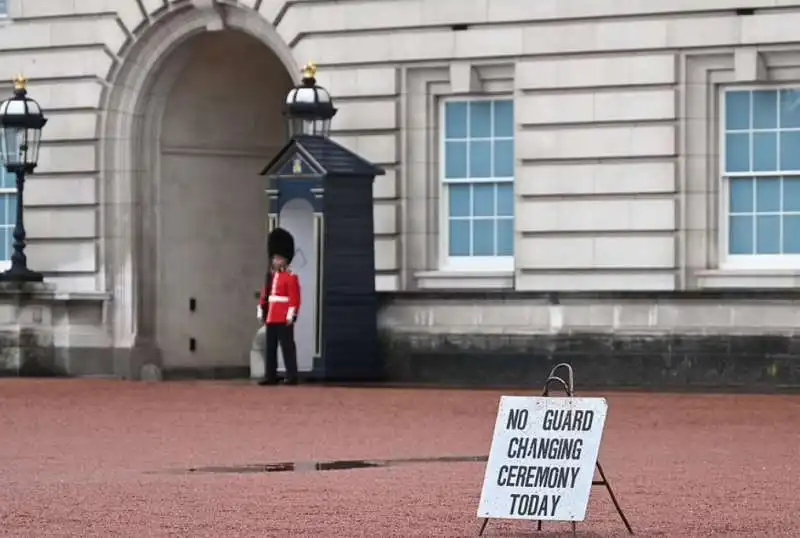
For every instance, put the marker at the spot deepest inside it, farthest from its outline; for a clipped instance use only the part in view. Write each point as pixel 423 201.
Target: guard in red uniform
pixel 279 306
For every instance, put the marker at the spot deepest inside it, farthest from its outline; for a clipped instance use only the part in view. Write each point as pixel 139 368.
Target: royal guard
pixel 278 308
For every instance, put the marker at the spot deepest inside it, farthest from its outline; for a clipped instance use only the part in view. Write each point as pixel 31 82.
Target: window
pixel 478 185
pixel 761 163
pixel 3 8
pixel 8 215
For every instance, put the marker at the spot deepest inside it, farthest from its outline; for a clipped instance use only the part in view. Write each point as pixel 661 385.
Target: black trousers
pixel 284 335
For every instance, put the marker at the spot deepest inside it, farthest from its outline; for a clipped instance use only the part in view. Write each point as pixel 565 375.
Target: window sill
pixel 748 278
pixel 47 291
pixel 467 280
pixel 87 296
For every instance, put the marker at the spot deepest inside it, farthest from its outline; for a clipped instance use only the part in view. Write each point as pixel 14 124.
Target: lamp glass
pixel 315 127
pixel 33 138
pixel 11 141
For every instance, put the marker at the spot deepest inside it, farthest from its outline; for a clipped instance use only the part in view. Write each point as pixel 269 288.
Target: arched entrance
pixel 186 249
pixel 221 119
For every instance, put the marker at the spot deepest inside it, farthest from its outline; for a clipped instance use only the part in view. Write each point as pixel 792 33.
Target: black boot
pixel 265 382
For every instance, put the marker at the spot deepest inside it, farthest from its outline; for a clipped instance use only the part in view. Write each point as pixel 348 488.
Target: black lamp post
pixel 309 107
pixel 21 122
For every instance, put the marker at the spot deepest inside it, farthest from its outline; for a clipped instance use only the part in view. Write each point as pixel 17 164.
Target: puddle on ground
pixel 332 465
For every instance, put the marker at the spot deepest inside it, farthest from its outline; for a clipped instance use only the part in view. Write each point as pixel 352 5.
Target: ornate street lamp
pixel 309 107
pixel 21 122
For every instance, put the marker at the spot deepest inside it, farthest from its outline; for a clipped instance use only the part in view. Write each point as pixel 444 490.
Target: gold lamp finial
pixel 20 82
pixel 310 70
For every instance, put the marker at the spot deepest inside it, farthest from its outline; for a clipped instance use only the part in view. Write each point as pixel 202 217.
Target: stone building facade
pixel 606 182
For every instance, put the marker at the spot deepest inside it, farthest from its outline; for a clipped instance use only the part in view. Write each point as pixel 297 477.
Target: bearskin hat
pixel 281 243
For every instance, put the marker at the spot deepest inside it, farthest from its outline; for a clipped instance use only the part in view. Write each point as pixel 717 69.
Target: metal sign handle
pixel 567 385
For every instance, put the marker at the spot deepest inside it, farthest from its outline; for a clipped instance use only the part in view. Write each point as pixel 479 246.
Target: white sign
pixel 542 459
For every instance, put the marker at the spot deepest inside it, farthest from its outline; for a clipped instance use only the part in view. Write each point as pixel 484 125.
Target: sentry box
pixel 321 193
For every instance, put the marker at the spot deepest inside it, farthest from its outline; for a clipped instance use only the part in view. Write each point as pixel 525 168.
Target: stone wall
pixel 44 332
pixel 665 340
pixel 747 340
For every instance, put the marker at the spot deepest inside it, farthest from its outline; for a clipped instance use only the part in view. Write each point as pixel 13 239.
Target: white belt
pixel 277 299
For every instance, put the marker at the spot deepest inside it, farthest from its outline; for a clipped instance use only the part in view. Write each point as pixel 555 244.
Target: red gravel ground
pixel 108 458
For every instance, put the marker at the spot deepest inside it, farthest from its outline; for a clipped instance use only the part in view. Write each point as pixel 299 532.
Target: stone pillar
pixel 26 330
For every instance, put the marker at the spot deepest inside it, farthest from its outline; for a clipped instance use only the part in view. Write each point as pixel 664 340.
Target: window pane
pixel 459 200
pixel 8 215
pixel 737 110
pixel 740 235
pixel 504 118
pixel 768 235
pixel 791 194
pixel 483 202
pixel 483 237
pixel 790 150
pixel 5 218
pixel 790 108
pixel 765 152
pixel 737 152
pixel 480 159
pixel 791 234
pixel 768 195
pixel 459 237
pixel 505 199
pixel 455 160
pixel 504 158
pixel 7 180
pixel 11 208
pixel 480 119
pixel 455 122
pixel 741 193
pixel 765 109
pixel 505 237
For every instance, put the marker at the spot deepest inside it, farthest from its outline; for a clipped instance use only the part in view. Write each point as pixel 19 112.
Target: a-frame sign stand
pixel 568 386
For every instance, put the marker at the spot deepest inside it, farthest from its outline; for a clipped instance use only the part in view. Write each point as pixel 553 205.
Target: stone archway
pixel 191 117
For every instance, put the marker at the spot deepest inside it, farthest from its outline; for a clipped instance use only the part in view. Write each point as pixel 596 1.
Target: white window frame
pixel 5 264
pixel 476 264
pixel 747 261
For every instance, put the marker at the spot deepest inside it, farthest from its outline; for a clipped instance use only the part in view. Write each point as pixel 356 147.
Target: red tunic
pixel 283 302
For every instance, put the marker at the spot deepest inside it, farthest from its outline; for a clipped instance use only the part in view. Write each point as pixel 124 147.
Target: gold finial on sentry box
pixel 310 70
pixel 20 83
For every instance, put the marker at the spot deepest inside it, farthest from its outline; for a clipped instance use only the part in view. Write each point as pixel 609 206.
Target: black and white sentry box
pixel 542 458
